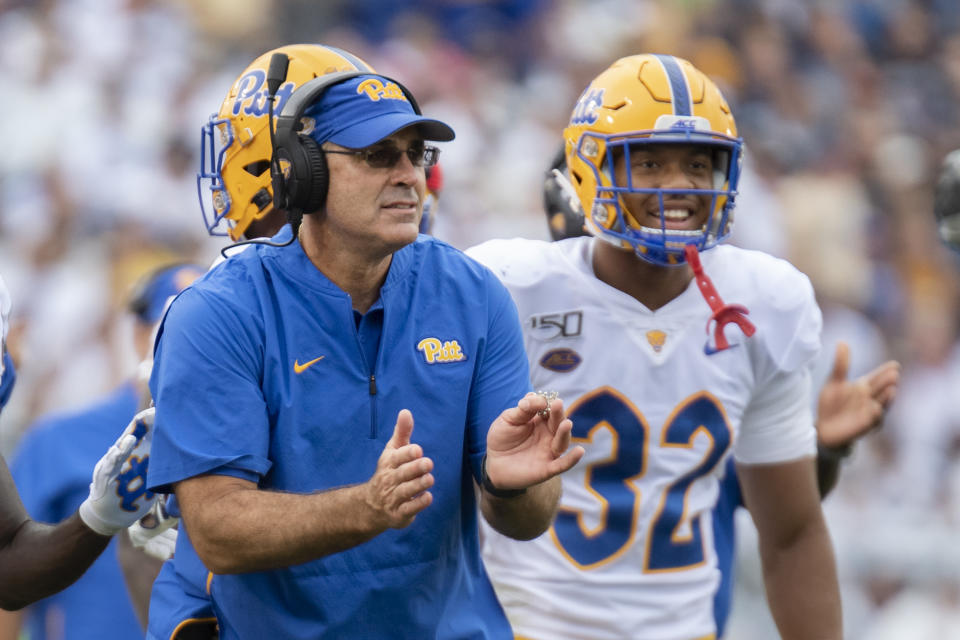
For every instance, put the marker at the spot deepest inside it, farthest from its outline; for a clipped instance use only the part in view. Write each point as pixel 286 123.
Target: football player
pixel 664 379
pixel 38 560
pixel 846 410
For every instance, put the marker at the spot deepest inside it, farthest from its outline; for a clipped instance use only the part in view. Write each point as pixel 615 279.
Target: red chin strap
pixel 723 314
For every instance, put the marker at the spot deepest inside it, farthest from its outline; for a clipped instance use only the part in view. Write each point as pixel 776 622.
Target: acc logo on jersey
pixel 561 360
pixel 376 90
pixel 252 94
pixel 436 351
pixel 657 339
pixel 585 112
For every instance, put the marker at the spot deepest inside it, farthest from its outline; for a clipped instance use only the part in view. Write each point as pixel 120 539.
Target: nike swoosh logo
pixel 707 349
pixel 300 368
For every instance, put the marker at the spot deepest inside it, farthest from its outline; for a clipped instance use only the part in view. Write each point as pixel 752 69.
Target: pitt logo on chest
pixel 436 351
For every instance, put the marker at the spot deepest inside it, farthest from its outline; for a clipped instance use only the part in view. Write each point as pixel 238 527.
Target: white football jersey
pixel 631 552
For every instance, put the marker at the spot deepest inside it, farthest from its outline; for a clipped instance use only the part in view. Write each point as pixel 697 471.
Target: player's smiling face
pixel 667 166
pixel 377 207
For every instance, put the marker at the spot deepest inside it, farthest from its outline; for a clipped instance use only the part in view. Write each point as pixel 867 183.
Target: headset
pixel 298 168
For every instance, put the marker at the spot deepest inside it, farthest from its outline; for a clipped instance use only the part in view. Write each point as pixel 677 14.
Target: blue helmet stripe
pixel 678 86
pixel 354 60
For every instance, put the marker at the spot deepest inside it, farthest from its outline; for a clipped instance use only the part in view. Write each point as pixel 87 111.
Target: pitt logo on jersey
pixel 657 339
pixel 376 90
pixel 252 94
pixel 436 351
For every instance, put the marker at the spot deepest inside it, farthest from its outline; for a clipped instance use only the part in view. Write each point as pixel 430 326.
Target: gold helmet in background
pixel 235 143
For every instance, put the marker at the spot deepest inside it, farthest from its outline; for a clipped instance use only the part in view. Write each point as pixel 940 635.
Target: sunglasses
pixel 387 156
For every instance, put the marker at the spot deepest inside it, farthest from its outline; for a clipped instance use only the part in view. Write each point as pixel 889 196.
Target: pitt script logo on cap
pixel 376 90
pixel 436 351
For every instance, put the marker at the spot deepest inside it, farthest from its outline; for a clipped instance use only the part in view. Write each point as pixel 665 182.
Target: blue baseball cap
pixel 363 110
pixel 152 291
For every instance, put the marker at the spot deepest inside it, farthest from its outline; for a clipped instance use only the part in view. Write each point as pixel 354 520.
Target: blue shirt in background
pixel 52 469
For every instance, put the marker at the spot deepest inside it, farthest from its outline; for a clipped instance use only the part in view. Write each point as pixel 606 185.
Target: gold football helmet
pixel 651 99
pixel 235 143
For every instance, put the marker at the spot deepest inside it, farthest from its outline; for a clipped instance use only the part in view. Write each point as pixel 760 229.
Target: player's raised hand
pixel 118 491
pixel 846 410
pixel 529 443
pixel 399 489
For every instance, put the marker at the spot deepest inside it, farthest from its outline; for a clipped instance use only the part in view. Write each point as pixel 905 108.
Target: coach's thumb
pixel 403 429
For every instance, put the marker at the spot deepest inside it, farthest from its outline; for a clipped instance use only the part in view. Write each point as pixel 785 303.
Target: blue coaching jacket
pixel 261 372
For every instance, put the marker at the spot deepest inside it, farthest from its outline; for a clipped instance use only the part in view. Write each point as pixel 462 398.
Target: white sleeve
pixel 778 424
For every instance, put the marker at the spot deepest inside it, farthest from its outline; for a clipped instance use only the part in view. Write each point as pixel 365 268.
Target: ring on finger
pixel 549 396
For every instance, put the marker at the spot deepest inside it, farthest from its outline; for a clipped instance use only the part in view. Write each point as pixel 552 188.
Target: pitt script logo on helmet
pixel 235 143
pixel 651 99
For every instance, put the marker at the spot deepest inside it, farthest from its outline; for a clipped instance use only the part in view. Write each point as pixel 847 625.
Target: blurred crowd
pixel 846 106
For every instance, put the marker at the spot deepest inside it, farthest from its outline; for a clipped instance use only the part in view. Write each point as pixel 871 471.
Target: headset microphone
pixel 277 72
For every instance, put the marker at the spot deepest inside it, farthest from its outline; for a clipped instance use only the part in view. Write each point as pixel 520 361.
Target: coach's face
pixel 377 209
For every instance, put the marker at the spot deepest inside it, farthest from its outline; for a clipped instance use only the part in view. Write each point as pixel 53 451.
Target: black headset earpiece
pixel 300 177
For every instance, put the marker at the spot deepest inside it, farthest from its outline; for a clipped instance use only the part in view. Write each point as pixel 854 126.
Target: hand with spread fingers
pixel 528 444
pixel 848 409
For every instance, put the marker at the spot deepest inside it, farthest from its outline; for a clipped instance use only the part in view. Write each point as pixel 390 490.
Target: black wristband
pixel 834 453
pixel 492 490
